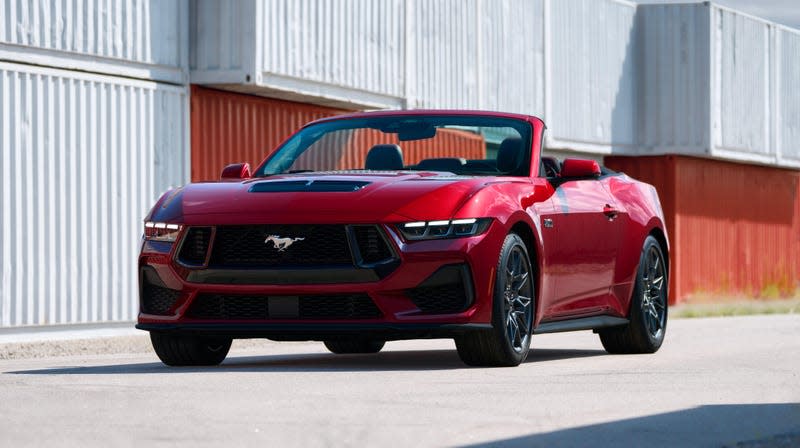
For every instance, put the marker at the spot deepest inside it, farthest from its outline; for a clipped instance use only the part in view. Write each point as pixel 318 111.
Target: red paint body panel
pixel 584 235
pixel 736 227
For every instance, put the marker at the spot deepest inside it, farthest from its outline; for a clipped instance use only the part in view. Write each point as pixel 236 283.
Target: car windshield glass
pixel 461 145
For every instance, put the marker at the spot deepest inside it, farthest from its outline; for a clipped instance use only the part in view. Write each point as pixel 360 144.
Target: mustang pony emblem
pixel 281 243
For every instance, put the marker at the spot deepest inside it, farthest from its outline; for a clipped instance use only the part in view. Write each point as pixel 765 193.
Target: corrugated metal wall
pixel 230 128
pixel 787 95
pixel 718 83
pixel 445 42
pixel 741 75
pixel 124 33
pixel 592 74
pixel 511 56
pixel 673 78
pixel 375 53
pixel 607 76
pixel 83 158
pixel 734 228
pixel 359 45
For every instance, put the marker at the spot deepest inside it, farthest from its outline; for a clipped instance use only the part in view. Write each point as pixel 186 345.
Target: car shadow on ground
pixel 400 360
pixel 728 425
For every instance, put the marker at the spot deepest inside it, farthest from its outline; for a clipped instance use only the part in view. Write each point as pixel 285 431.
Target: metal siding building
pixel 591 86
pixel 718 83
pixel 93 128
pixel 739 236
pixel 95 120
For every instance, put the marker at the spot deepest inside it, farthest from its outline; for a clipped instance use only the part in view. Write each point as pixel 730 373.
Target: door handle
pixel 610 212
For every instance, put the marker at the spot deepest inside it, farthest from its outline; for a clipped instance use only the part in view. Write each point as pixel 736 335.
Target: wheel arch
pixel 531 240
pixel 659 235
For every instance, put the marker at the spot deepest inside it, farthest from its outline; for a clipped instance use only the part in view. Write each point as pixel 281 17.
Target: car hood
pixel 320 197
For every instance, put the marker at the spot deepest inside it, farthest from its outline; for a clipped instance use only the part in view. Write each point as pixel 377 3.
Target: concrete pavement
pixel 715 382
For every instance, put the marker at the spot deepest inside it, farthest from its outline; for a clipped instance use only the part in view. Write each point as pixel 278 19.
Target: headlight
pixel 161 231
pixel 457 228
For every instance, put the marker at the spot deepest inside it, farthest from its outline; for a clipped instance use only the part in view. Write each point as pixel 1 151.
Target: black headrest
pixel 384 157
pixel 452 164
pixel 509 155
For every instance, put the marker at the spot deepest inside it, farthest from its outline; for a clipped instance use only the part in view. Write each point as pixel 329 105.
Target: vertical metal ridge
pixel 109 29
pixel 76 185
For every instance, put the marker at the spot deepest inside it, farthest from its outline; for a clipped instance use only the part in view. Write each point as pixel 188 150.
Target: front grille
pixel 448 290
pixel 317 307
pixel 194 248
pixel 371 245
pixel 311 245
pixel 157 300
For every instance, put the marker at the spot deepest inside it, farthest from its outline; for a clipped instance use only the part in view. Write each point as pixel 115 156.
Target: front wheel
pixel 648 311
pixel 185 350
pixel 508 342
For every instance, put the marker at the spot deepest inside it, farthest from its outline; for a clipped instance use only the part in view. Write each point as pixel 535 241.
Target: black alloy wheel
pixel 508 342
pixel 649 307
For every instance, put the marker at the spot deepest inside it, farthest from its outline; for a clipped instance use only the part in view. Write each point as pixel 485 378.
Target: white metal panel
pixel 219 46
pixel 674 79
pixel 83 157
pixel 140 38
pixel 446 53
pixel 511 56
pixel 741 119
pixel 788 96
pixel 592 75
pixel 356 43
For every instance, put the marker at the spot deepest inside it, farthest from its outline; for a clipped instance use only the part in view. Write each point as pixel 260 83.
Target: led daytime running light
pixel 161 231
pixel 440 229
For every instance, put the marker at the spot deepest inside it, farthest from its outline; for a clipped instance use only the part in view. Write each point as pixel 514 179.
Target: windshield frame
pixel 315 130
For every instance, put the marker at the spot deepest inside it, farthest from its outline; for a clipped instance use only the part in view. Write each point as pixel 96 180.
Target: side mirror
pixel 236 171
pixel 580 168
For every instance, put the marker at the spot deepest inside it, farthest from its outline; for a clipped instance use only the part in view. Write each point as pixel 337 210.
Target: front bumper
pixel 317 331
pixel 405 308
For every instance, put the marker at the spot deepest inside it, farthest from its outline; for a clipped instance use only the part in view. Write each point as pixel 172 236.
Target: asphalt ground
pixel 716 382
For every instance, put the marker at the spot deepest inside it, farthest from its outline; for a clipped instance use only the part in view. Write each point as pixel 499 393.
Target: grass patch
pixel 735 307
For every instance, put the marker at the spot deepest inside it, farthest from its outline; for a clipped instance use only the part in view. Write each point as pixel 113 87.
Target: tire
pixel 648 310
pixel 351 346
pixel 508 342
pixel 183 350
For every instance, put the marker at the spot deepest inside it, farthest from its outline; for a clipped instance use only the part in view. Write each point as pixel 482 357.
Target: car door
pixel 582 258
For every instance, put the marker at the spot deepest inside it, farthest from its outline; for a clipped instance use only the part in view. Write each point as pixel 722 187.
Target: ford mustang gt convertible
pixel 365 228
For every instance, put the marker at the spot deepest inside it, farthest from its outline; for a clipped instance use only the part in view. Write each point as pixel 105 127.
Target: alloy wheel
pixel 654 298
pixel 517 307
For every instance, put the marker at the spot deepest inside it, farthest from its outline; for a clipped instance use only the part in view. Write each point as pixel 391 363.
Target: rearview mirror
pixel 236 171
pixel 580 168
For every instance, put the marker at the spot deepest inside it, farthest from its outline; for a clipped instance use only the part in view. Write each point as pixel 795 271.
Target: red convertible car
pixel 379 226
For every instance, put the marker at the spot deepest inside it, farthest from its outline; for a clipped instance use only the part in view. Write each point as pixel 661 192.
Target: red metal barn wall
pixel 232 127
pixel 734 228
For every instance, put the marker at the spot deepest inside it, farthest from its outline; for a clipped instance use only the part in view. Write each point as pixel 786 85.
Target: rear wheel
pixel 185 350
pixel 648 312
pixel 508 342
pixel 349 346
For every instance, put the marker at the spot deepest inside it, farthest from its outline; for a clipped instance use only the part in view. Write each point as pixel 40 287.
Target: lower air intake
pixel 448 290
pixel 308 307
pixel 157 300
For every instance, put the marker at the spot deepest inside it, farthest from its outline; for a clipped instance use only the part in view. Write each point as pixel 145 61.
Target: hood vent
pixel 312 186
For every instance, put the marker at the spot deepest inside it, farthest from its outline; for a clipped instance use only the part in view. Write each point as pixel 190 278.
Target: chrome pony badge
pixel 281 243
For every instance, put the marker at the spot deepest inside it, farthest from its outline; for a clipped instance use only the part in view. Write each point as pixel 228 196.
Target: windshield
pixel 461 145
